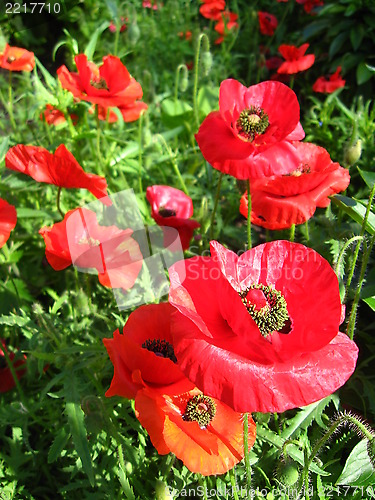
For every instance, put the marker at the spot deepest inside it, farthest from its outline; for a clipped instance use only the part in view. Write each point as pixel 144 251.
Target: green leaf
pixel 356 36
pixel 337 44
pixel 4 146
pixel 58 445
pixel 175 107
pixel 307 416
pixel 13 320
pixel 49 79
pixel 126 488
pixel 368 177
pixel 208 100
pixel 90 49
pixel 355 210
pixel 370 302
pixel 31 213
pixel 363 73
pixel 358 470
pixel 43 95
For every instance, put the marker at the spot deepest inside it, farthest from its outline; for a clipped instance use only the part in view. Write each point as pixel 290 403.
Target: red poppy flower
pixel 201 431
pixel 172 208
pixel 17 59
pixel 187 35
pixel 227 22
pixel 148 5
pixel 6 378
pixel 143 355
pixel 130 112
pixel 329 84
pixel 278 202
pixel 273 62
pixel 267 23
pixel 54 116
pixel 59 168
pixel 260 332
pixel 8 221
pixel 309 5
pixel 108 85
pixel 250 135
pixel 80 240
pixel 296 61
pixel 113 28
pixel 212 10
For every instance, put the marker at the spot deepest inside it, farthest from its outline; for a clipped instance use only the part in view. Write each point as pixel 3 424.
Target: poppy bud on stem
pixel 183 85
pixel 205 48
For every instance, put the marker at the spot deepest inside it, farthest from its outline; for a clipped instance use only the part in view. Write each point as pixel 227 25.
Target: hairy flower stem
pixel 248 215
pixel 358 246
pixel 58 202
pixel 341 420
pixel 201 37
pixel 233 483
pixel 342 253
pixel 174 164
pixel 215 206
pixel 246 449
pixel 353 312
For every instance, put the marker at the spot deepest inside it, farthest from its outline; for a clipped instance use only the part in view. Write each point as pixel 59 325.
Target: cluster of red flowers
pixel 256 135
pixel 216 11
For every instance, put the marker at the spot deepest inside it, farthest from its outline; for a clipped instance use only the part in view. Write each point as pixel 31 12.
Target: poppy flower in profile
pixel 201 431
pixel 59 168
pixel 8 221
pixel 267 23
pixel 108 85
pixel 143 354
pixel 250 135
pixel 295 59
pixel 6 378
pixel 17 59
pixel 278 202
pixel 260 331
pixel 309 5
pixel 80 240
pixel 54 116
pixel 212 10
pixel 329 84
pixel 226 23
pixel 172 208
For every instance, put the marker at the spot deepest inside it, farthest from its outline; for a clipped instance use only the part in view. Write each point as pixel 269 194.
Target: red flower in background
pixel 260 332
pixel 309 5
pixel 296 61
pixel 108 85
pixel 143 354
pixel 130 113
pixel 278 202
pixel 201 431
pixel 212 10
pixel 172 208
pixel 8 221
pixel 267 23
pixel 59 168
pixel 204 433
pixel 6 378
pixel 329 84
pixel 113 28
pixel 17 59
pixel 147 4
pixel 187 35
pixel 227 22
pixel 81 241
pixel 55 117
pixel 250 135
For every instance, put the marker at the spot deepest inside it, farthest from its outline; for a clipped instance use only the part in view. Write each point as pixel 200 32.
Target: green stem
pixel 233 484
pixel 10 104
pixel 215 205
pixel 98 134
pixel 248 215
pixel 196 74
pixel 292 232
pixel 291 83
pixel 307 231
pixel 246 450
pixel 343 250
pixel 58 202
pixel 174 164
pixel 140 152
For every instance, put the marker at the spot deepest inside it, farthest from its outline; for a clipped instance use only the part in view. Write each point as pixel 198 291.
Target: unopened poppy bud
pixel 352 153
pixel 162 492
pixel 288 473
pixel 206 61
pixel 134 33
pixel 184 81
pixel 371 451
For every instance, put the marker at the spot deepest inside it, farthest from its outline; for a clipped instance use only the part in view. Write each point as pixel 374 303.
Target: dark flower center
pixel 167 212
pixel 301 169
pixel 161 348
pixel 268 309
pixel 99 84
pixel 10 59
pixel 3 363
pixel 200 409
pixel 252 122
